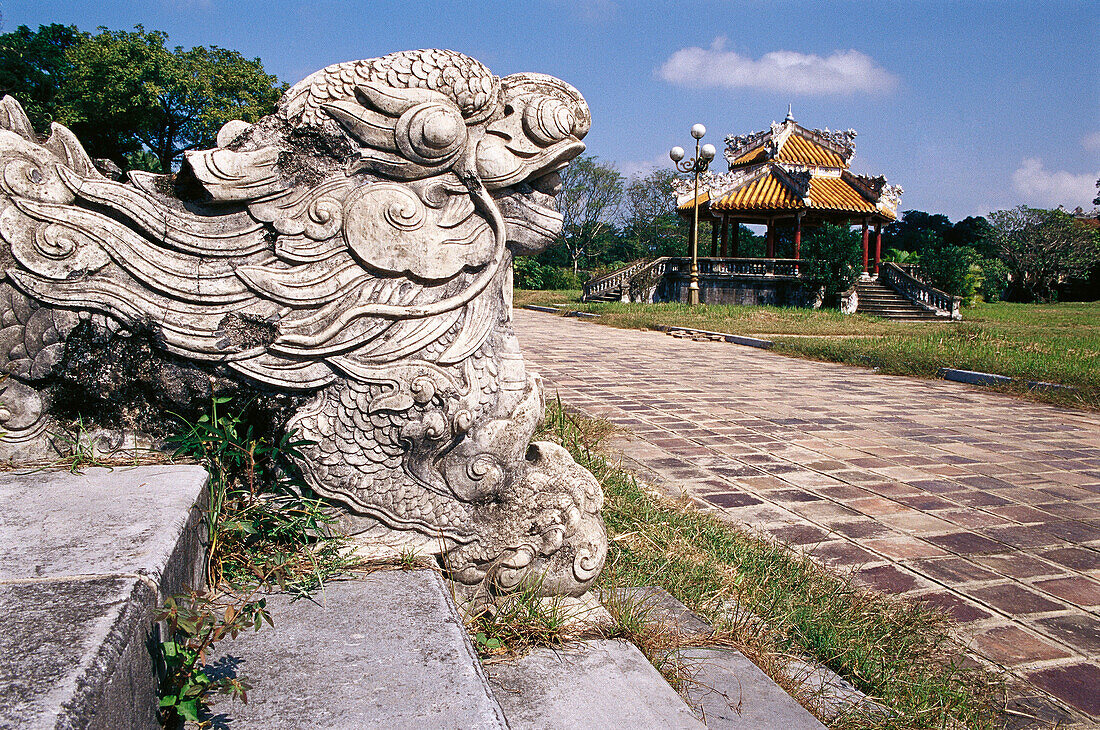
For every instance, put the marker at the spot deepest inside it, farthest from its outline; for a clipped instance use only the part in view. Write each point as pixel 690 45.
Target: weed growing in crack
pixel 193 624
pixel 264 531
pixel 520 621
pixel 262 525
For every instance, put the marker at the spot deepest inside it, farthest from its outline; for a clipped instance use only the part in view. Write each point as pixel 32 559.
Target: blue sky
pixel 970 106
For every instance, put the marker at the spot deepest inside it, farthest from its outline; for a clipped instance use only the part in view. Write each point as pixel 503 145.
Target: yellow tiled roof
pixel 757 155
pixel 703 197
pixel 769 192
pixel 834 193
pixel 801 151
pixel 765 193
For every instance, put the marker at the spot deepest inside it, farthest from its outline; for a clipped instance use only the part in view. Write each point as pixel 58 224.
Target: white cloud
pixel 639 168
pixel 843 72
pixel 1052 188
pixel 1091 142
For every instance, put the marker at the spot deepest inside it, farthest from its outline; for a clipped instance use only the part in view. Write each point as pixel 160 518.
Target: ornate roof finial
pixel 790 117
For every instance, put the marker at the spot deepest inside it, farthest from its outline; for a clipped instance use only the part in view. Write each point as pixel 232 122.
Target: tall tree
pixel 1042 248
pixel 908 232
pixel 649 217
pixel 591 192
pixel 125 91
pixel 33 68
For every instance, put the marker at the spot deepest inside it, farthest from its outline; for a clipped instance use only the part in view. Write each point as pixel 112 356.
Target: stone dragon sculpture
pixel 346 260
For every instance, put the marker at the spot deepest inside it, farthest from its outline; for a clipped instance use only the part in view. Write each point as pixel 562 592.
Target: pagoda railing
pixel 919 292
pixel 749 267
pixel 647 272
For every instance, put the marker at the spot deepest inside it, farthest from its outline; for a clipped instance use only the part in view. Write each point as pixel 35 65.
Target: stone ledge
pixel 974 377
pixel 87 558
pixel 725 336
pixel 588 684
pixel 383 650
pixel 561 309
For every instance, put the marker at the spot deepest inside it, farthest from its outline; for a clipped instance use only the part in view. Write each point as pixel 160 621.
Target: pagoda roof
pixel 791 168
pixel 794 144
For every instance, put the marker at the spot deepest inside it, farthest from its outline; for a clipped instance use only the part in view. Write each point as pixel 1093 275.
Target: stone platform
pixel 86 559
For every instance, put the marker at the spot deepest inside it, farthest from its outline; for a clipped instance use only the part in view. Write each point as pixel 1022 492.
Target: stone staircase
pixel 880 300
pixel 608 295
pixel 88 558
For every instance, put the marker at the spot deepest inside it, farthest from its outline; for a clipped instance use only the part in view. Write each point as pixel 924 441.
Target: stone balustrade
pixel 919 292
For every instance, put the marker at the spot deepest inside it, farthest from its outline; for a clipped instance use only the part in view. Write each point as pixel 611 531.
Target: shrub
pixel 834 259
pixel 995 279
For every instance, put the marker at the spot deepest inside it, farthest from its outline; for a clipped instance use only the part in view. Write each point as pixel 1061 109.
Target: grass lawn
pixel 1053 343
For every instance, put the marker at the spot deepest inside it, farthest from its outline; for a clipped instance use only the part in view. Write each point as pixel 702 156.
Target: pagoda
pixel 791 176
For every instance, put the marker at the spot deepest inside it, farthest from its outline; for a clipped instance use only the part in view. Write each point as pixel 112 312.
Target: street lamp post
pixel 696 165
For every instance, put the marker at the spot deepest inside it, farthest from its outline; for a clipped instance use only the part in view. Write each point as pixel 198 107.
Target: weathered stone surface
pixel 73 654
pixel 731 692
pixel 123 521
pixel 385 650
pixel 713 673
pixel 588 684
pixel 663 611
pixel 345 266
pixel 86 557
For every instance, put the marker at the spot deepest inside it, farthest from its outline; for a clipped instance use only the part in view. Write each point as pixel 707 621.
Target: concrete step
pixel 726 690
pixel 731 692
pixel 900 311
pixel 603 683
pixel 385 650
pixel 896 310
pixel 87 557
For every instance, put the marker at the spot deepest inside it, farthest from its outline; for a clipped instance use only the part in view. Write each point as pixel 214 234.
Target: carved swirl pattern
pixel 346 260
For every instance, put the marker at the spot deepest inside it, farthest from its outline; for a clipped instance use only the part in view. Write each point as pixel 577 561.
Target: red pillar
pixel 865 244
pixel 713 237
pixel 735 248
pixel 725 235
pixel 798 237
pixel 771 239
pixel 878 245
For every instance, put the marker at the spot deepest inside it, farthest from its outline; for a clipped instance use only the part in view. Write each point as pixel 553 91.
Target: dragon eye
pixel 430 133
pixel 548 121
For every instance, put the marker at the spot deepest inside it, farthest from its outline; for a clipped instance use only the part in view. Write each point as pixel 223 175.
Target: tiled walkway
pixel 984 505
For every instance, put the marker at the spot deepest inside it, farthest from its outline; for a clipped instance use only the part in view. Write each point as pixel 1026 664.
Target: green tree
pixel 651 226
pixel 1041 249
pixel 947 266
pixel 33 68
pixel 972 232
pixel 905 233
pixel 591 192
pixel 833 258
pixel 125 91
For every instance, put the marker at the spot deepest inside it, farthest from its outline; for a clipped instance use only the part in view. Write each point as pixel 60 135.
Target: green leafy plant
pixel 264 529
pixel 193 624
pixel 262 524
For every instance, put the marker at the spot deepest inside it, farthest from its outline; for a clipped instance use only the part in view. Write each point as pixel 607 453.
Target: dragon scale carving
pixel 345 260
